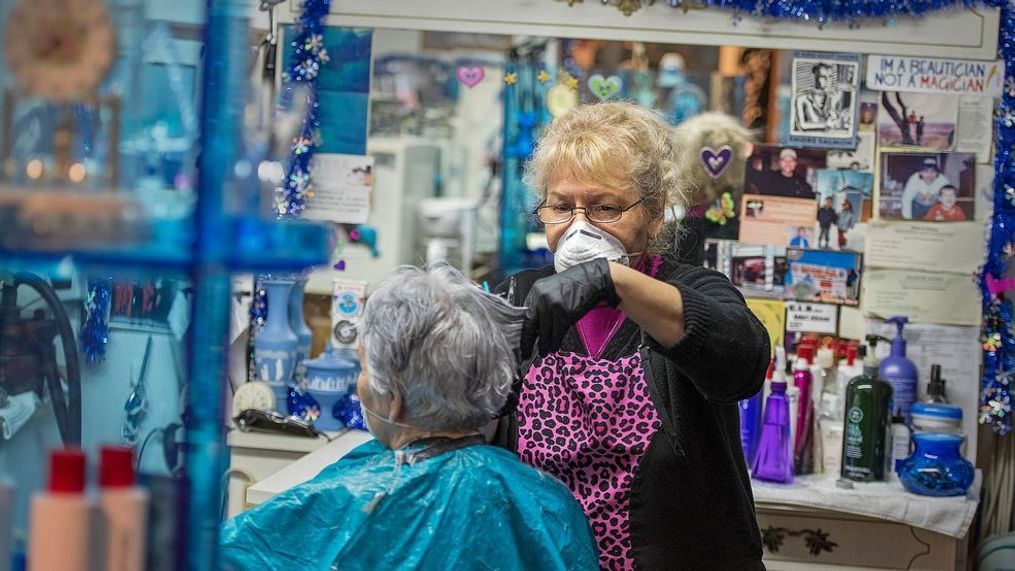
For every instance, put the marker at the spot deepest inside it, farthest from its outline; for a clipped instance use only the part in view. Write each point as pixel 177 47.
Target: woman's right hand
pixel 555 303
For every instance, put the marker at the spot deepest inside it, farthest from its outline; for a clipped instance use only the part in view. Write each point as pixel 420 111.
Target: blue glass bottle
pixel 936 467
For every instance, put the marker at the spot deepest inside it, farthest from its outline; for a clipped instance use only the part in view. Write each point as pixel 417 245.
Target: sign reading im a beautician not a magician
pixel 934 75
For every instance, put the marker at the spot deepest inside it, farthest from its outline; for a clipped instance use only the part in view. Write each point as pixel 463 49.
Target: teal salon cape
pixel 476 507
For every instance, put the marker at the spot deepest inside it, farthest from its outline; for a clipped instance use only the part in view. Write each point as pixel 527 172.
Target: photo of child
pixel 800 237
pixel 946 209
pixel 937 187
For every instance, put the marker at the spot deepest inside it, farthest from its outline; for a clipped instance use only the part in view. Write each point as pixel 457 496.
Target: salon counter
pixel 305 467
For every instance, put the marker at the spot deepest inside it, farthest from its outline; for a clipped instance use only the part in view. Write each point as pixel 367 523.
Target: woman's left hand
pixel 557 302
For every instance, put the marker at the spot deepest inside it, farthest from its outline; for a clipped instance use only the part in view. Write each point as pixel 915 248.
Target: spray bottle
pixel 774 459
pixel 900 371
pixel 935 388
pixel 823 373
pixel 804 436
pixel 868 418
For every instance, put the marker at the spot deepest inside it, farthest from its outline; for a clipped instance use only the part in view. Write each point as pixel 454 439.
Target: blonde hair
pixel 619 145
pixel 713 130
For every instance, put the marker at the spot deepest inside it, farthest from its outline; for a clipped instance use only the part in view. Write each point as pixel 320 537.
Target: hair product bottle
pixel 124 508
pixel 935 388
pixel 867 421
pixel 803 439
pixel 900 371
pixel 750 420
pixel 60 518
pixel 899 443
pixel 774 459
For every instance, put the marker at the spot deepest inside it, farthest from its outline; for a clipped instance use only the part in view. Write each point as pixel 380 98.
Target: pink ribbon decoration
pixel 998 286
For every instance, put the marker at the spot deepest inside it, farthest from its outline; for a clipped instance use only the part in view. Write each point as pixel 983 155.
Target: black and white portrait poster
pixel 825 98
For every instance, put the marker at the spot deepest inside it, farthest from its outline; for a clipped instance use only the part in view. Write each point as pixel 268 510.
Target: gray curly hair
pixel 447 346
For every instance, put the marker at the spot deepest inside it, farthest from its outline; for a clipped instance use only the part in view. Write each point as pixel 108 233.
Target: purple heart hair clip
pixel 716 162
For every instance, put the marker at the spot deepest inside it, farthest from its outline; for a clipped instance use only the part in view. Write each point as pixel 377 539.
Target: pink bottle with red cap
pixel 60 520
pixel 124 511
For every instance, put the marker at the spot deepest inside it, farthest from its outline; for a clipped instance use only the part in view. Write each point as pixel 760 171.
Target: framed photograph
pixel 925 120
pixel 825 99
pixel 937 187
pixel 822 276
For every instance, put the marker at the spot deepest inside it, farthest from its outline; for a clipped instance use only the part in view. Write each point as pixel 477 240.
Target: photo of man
pixel 922 189
pixel 823 112
pixel 787 175
pixel 826 217
pixel 823 107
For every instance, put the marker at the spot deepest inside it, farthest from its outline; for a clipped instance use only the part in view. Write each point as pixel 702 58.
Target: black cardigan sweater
pixel 691 505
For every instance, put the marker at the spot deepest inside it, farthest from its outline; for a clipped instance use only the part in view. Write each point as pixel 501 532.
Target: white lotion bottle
pixel 124 511
pixel 60 518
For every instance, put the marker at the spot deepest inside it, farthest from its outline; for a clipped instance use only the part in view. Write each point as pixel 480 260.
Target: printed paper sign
pixel 811 317
pixel 924 297
pixel 341 188
pixel 933 75
pixel 926 246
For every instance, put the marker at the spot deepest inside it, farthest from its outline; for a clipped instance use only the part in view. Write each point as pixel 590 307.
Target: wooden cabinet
pixel 801 538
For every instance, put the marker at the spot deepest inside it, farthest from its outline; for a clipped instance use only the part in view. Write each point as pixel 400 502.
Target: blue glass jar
pixel 936 467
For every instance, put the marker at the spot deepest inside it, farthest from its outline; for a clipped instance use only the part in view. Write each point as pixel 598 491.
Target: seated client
pixel 437 361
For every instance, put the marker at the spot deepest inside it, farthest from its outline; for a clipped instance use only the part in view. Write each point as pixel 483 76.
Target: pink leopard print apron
pixel 588 421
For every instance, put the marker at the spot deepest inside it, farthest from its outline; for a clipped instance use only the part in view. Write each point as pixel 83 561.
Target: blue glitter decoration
pixel 308 55
pixel 95 320
pixel 998 331
pixel 347 410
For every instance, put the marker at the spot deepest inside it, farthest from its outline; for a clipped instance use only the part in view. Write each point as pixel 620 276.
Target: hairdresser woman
pixel 633 364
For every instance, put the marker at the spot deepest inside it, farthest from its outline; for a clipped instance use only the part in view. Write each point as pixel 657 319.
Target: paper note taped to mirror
pixel 953 248
pixel 341 188
pixel 949 299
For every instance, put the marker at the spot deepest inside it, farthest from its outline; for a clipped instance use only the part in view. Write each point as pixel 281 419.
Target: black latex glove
pixel 557 302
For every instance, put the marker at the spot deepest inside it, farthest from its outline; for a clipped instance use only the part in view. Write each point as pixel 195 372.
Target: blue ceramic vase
pixel 297 322
pixel 275 344
pixel 936 467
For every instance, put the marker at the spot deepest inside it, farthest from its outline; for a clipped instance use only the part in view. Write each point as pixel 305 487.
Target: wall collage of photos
pixel 874 206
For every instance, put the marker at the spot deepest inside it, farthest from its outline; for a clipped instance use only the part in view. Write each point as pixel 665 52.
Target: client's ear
pixel 396 406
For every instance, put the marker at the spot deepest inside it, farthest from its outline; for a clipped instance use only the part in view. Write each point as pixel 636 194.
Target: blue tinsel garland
pixel 998 329
pixel 308 56
pixel 95 320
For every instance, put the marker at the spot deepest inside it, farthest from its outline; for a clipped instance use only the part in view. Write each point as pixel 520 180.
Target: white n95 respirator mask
pixel 583 242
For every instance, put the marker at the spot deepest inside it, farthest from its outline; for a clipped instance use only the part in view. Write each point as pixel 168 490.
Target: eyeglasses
pixel 602 213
